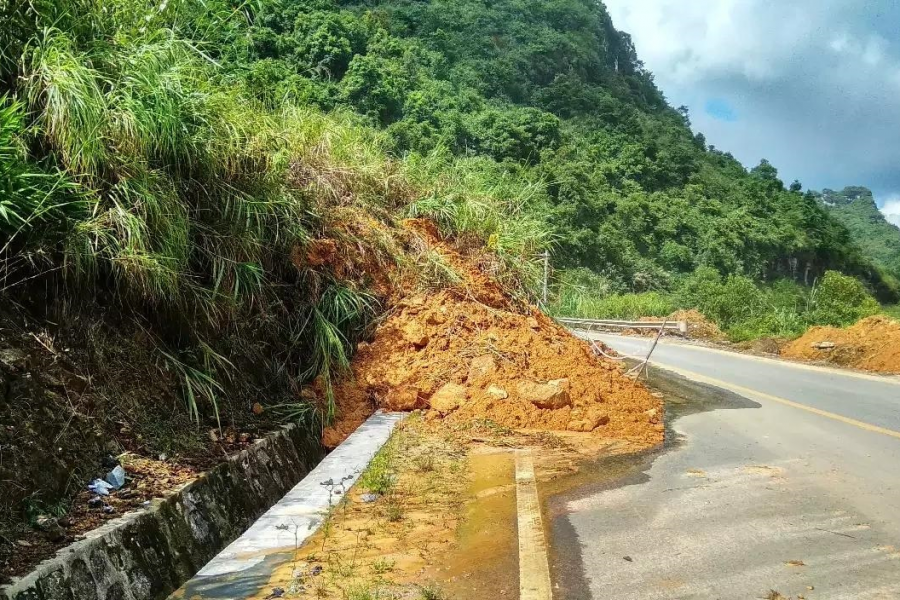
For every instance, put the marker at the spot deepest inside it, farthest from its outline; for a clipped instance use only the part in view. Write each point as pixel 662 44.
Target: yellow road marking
pixel 745 391
pixel 534 567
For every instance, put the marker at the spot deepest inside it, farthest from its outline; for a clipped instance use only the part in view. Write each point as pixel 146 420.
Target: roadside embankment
pixel 147 554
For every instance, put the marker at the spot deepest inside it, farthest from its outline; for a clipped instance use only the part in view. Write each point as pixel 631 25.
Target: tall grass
pixel 155 182
pixel 494 208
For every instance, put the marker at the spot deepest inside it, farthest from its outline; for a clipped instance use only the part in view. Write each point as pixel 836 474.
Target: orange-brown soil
pixel 469 353
pixel 872 344
pixel 699 327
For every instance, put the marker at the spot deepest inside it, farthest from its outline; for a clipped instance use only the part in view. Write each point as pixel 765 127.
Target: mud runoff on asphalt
pixel 683 397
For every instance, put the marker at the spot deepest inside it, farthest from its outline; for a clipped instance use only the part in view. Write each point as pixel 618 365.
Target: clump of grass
pixel 382 566
pixel 393 511
pixel 430 592
pixel 365 592
pixel 424 463
pixel 380 476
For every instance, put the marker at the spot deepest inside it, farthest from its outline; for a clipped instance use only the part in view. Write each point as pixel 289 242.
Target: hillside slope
pixel 855 208
pixel 555 94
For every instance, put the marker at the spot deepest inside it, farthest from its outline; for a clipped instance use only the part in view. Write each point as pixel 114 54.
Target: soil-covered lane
pixel 748 501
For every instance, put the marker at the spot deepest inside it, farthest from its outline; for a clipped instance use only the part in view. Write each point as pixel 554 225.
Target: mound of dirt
pixel 699 327
pixel 468 353
pixel 872 344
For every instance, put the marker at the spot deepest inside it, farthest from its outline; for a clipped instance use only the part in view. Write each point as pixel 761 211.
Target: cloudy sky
pixel 811 85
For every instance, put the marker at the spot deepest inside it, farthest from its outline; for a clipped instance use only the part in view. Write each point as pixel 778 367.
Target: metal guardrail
pixel 596 324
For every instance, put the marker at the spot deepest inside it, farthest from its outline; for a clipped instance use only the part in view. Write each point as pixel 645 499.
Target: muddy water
pixel 484 564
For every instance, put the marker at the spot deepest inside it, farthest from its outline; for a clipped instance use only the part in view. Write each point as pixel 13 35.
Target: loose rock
pixel 415 334
pixel 543 395
pixel 51 528
pixel 448 398
pixel 402 398
pixel 497 392
pixel 481 367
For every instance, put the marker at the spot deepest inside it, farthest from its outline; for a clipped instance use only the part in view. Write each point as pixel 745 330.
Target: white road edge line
pixel 534 566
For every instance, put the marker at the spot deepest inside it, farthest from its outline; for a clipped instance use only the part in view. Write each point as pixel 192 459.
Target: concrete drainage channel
pixel 244 568
pixel 147 555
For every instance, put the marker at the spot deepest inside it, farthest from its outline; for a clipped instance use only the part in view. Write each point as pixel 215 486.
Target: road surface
pixel 794 489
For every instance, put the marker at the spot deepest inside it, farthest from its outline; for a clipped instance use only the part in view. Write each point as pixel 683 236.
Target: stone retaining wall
pixel 148 554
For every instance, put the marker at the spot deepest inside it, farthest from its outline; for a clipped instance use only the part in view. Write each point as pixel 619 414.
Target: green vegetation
pixel 380 476
pixel 141 174
pixel 743 309
pixel 855 208
pixel 557 97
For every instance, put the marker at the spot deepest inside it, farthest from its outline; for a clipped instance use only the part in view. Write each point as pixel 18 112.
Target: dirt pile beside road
pixel 872 344
pixel 468 353
pixel 699 326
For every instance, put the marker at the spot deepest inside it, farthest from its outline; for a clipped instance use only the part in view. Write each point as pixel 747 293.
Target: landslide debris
pixel 699 327
pixel 872 344
pixel 469 352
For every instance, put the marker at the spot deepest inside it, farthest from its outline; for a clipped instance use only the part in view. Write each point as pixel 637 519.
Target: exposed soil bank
pixel 872 344
pixel 78 387
pixel 470 352
pixel 147 555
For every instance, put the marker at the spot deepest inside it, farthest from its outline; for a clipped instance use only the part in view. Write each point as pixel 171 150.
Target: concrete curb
pixel 146 555
pixel 245 566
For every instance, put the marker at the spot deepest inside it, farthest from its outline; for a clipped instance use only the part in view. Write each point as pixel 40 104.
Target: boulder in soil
pixel 415 334
pixel 448 398
pixel 589 420
pixel 437 317
pixel 402 398
pixel 497 392
pixel 543 395
pixel 481 367
pixel 51 528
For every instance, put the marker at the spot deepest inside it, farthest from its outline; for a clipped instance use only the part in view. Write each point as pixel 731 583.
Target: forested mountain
pixel 548 91
pixel 554 92
pixel 855 208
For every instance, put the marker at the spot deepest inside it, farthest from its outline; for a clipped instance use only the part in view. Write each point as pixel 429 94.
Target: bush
pixel 726 301
pixel 585 305
pixel 840 300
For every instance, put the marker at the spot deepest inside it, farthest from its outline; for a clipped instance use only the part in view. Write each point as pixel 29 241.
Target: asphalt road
pixel 789 482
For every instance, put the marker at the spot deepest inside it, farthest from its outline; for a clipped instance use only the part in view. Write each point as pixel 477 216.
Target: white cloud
pixel 814 82
pixel 891 209
pixel 840 44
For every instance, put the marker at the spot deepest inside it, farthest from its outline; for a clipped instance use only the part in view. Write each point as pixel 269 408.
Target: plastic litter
pixel 116 477
pixel 369 498
pixel 100 487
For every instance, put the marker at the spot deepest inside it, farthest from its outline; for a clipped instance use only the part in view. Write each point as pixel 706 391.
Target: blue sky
pixel 811 85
